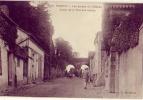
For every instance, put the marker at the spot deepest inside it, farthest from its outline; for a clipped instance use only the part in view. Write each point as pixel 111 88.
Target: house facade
pixel 7 41
pixel 35 63
pixel 21 57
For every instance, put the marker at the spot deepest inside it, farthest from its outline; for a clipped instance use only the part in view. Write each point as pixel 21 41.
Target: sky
pixel 76 26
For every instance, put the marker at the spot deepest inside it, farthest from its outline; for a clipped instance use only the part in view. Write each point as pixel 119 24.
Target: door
pixel 12 80
pixel 25 71
pixel 9 71
pixel 40 67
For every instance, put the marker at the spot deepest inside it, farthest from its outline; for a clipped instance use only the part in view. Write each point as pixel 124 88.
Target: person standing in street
pixel 86 77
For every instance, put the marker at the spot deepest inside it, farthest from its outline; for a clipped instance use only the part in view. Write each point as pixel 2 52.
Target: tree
pixel 35 20
pixel 63 52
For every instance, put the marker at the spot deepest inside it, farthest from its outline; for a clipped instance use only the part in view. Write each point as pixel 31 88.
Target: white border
pixel 46 98
pixel 100 1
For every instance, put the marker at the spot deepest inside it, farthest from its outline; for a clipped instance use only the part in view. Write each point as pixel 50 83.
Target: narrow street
pixel 46 46
pixel 62 87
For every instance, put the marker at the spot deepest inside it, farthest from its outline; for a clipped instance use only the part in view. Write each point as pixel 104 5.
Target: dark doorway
pixel 25 71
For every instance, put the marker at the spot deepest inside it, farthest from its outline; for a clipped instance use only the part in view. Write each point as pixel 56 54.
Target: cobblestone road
pixel 62 87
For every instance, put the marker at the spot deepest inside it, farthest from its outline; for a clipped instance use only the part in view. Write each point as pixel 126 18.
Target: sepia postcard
pixel 71 49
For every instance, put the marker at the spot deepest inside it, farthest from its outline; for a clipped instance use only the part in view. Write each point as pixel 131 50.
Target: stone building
pixel 21 57
pixel 97 60
pixel 7 47
pixel 34 70
pixel 78 62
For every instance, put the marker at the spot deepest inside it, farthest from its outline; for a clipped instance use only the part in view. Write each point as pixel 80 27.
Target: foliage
pixel 122 31
pixel 8 31
pixel 63 52
pixel 126 34
pixel 34 20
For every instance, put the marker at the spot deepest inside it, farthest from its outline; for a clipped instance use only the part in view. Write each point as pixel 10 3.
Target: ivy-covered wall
pixel 8 31
pixel 121 28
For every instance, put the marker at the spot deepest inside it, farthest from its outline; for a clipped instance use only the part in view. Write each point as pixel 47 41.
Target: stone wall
pixel 36 56
pixel 4 65
pixel 130 71
pixel 33 63
pixel 19 70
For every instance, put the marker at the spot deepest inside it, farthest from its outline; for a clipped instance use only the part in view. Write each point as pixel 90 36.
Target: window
pixel 0 63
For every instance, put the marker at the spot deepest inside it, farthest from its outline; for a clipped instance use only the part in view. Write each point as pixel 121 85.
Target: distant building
pixel 80 61
pixel 75 54
pixel 97 60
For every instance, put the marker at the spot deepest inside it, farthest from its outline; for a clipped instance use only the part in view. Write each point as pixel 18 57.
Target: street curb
pixel 10 90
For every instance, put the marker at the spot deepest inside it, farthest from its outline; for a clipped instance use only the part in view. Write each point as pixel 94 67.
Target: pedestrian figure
pixel 86 77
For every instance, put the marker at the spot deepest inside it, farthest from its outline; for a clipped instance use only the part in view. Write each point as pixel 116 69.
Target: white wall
pixel 95 60
pixel 33 71
pixel 19 70
pixel 33 47
pixel 21 37
pixel 131 69
pixel 36 48
pixel 98 53
pixel 4 76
